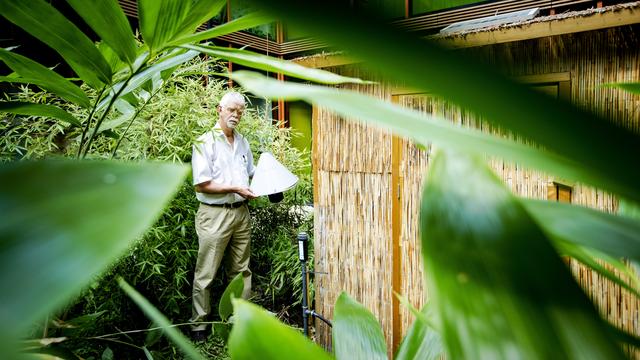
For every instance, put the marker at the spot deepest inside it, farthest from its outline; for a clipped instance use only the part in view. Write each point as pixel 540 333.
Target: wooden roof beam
pixel 561 24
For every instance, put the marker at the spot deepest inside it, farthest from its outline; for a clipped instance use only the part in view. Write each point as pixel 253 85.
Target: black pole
pixel 302 256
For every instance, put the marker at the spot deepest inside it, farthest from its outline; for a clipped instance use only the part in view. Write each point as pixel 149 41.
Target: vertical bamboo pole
pixel 280 76
pixel 229 64
pixel 396 227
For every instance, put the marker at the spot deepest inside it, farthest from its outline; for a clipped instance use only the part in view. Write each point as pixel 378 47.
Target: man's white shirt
pixel 214 159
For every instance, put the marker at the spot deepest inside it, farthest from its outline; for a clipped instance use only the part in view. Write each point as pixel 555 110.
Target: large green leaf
pixel 408 59
pixel 500 289
pixel 154 314
pixel 356 332
pixel 63 222
pixel 160 20
pixel 47 24
pixel 258 335
pixel 420 127
pixel 246 22
pixel 422 342
pixel 201 12
pixel 26 108
pixel 233 290
pixel 44 77
pixel 108 20
pixel 617 236
pixel 268 63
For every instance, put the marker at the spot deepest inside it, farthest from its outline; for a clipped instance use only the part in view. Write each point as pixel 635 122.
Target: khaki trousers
pixel 219 229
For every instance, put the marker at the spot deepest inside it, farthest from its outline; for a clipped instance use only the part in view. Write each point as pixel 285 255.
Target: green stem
pixel 155 328
pixel 104 114
pixel 113 154
pixel 88 124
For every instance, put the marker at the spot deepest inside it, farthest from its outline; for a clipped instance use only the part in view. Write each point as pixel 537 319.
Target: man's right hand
pixel 246 193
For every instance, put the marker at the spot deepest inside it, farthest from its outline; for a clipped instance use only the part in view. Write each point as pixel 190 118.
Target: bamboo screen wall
pixel 353 168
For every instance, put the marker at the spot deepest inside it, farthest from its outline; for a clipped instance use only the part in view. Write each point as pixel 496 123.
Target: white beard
pixel 231 124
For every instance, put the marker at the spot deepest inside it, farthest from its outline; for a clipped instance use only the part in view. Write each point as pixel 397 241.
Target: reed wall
pixel 354 189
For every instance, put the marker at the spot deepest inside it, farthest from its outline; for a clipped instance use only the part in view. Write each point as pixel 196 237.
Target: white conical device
pixel 271 177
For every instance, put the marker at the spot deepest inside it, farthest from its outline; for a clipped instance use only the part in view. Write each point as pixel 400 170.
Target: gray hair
pixel 232 97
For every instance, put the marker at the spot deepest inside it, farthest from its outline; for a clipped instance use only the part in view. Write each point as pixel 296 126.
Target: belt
pixel 234 205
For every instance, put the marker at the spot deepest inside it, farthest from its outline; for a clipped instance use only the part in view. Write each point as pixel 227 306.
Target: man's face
pixel 231 114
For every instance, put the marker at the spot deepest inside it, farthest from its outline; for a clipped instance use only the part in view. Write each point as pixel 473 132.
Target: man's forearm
pixel 211 187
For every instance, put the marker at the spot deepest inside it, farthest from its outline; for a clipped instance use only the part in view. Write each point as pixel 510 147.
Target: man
pixel 222 164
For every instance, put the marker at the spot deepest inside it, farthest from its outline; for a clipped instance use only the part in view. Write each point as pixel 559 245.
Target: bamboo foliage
pixel 352 158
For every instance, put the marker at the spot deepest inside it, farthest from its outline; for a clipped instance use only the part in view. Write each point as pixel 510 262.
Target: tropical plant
pixel 160 265
pixel 122 76
pixel 468 328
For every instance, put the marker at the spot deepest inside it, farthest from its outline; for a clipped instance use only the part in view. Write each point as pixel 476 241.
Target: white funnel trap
pixel 271 177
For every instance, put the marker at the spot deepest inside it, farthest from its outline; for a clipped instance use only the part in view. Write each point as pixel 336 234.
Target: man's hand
pixel 246 193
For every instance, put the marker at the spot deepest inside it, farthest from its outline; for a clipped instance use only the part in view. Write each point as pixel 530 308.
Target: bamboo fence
pixel 353 177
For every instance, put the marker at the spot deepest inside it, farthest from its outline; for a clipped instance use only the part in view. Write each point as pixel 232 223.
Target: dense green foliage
pixel 161 264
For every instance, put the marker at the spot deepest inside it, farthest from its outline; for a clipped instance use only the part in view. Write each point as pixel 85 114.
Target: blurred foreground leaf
pixel 269 63
pixel 407 59
pixel 500 289
pixel 632 87
pixel 618 236
pixel 420 127
pixel 258 335
pixel 356 332
pixel 422 342
pixel 63 222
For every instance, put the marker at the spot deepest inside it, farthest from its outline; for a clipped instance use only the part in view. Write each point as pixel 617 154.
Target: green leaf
pixel 107 354
pixel 63 222
pixel 617 236
pixel 201 12
pixel 421 341
pixel 500 289
pixel 108 20
pixel 258 335
pixel 246 22
pixel 47 111
pixel 417 126
pixel 167 62
pixel 156 316
pixel 233 290
pixel 160 20
pixel 632 87
pixel 356 332
pixel 47 24
pixel 268 63
pixel 469 83
pixel 43 77
pixel 112 58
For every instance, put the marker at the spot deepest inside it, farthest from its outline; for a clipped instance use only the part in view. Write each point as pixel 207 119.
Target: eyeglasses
pixel 238 111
